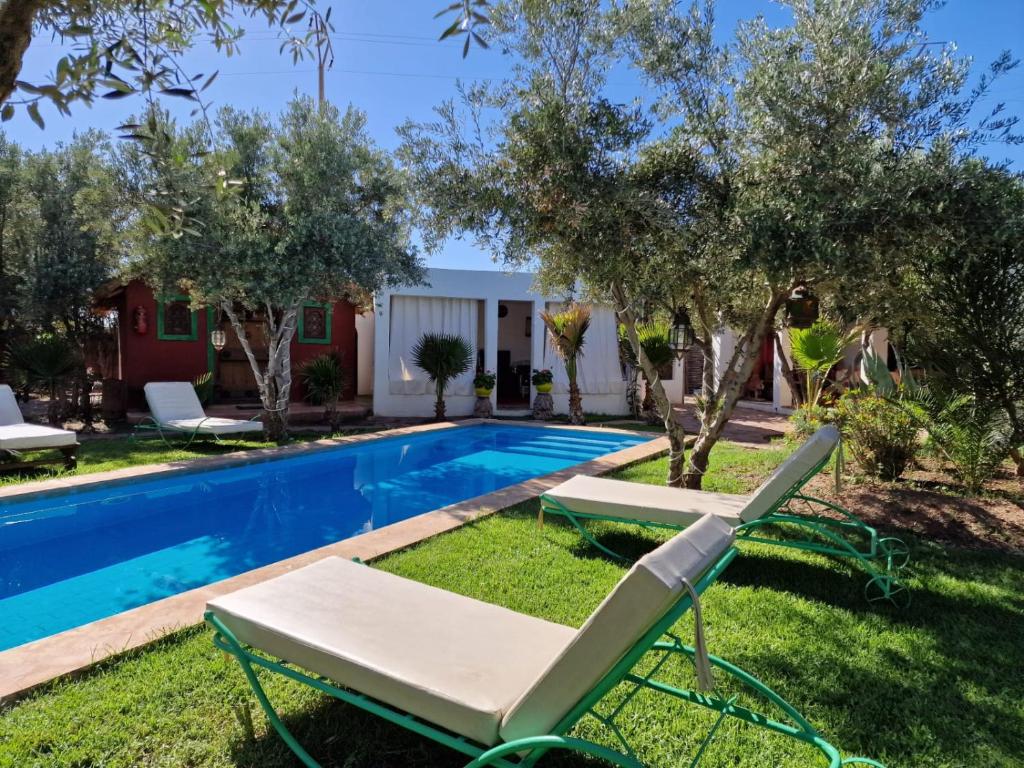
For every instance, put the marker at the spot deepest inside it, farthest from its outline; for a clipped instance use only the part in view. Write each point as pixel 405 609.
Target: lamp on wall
pixel 218 339
pixel 681 335
pixel 802 307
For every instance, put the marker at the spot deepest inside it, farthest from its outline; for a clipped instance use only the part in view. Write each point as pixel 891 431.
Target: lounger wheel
pixel 895 552
pixel 887 588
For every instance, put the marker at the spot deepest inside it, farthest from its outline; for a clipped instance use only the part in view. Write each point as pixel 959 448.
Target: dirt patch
pixel 928 504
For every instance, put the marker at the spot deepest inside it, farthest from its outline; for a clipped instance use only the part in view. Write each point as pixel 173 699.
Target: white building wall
pixel 490 288
pixel 364 353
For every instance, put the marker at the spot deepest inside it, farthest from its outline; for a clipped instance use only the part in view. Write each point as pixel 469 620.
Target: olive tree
pixel 545 168
pixel 809 138
pixel 312 209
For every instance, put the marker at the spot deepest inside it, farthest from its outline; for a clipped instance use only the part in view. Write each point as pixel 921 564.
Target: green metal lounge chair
pixel 500 687
pixel 176 411
pixel 778 503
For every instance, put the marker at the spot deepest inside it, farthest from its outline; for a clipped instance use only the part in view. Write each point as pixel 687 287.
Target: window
pixel 315 323
pixel 175 320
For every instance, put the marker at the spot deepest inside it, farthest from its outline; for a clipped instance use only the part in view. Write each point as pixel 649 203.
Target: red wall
pixel 146 358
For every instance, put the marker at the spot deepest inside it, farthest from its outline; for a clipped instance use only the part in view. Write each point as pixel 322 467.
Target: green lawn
pixel 938 685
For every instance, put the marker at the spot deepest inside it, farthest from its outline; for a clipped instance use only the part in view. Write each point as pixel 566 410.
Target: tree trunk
pixel 274 382
pixel 16 20
pixel 717 407
pixel 440 408
pixel 1018 459
pixel 575 404
pixel 674 430
pixel 648 410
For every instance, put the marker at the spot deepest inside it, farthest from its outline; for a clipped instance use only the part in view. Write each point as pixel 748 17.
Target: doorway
pixel 515 348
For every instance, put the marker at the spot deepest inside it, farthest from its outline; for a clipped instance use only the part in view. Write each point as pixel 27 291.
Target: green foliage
pixel 542 376
pixel 203 385
pixel 485 380
pixel 807 420
pixel 443 356
pixel 881 435
pixel 323 379
pixel 45 364
pixel 567 332
pixel 816 351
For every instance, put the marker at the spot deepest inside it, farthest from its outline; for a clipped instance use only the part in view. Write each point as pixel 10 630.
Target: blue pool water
pixel 70 558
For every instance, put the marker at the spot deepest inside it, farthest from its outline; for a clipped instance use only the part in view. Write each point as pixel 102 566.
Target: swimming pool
pixel 73 557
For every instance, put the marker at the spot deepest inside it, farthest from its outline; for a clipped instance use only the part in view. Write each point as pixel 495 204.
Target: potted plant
pixel 542 380
pixel 484 383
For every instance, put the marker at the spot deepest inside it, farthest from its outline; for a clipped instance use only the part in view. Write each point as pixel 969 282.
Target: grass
pixel 107 453
pixel 938 685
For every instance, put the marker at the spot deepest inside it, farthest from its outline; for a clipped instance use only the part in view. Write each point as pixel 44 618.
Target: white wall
pixel 489 288
pixel 364 353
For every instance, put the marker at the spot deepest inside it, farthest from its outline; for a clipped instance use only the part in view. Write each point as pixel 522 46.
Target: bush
pixel 974 439
pixel 881 435
pixel 809 419
pixel 323 379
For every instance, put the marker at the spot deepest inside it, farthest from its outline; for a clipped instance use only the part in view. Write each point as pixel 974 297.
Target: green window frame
pixel 161 334
pixel 328 313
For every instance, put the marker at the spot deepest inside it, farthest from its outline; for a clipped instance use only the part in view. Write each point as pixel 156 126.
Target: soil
pixel 926 502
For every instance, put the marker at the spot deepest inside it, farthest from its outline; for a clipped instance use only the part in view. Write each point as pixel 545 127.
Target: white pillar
pixel 491 341
pixel 782 395
pixel 538 335
pixel 381 352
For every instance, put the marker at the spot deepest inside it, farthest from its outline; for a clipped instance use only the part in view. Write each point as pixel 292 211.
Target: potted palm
pixel 568 329
pixel 323 379
pixel 542 380
pixel 484 383
pixel 443 356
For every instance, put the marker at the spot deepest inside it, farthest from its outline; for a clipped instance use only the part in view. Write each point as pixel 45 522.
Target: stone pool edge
pixel 26 667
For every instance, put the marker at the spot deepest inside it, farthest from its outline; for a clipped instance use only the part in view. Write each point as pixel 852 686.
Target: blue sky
pixel 389 64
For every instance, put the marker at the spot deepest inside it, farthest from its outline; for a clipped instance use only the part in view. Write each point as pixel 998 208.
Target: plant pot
pixel 483 392
pixel 544 388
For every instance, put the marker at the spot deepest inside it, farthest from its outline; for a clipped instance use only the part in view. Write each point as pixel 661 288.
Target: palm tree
pixel 44 364
pixel 443 356
pixel 815 351
pixel 568 329
pixel 654 338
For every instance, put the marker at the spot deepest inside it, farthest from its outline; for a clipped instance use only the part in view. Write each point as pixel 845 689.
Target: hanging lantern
pixel 802 308
pixel 681 337
pixel 218 339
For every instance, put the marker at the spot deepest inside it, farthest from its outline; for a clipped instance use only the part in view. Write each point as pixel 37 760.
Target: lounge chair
pixel 175 409
pixel 501 687
pixel 17 436
pixel 778 502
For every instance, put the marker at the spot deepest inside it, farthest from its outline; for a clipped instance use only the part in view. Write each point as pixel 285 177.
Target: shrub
pixel 485 380
pixel 973 438
pixel 808 420
pixel 323 379
pixel 881 434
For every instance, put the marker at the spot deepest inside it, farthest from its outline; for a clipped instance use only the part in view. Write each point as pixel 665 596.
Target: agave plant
pixel 816 350
pixel 443 356
pixel 323 380
pixel 568 329
pixel 44 364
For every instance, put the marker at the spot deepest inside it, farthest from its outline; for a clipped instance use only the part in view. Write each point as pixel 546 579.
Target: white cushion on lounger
pixel 173 401
pixel 814 450
pixel 27 437
pixel 214 426
pixel 452 660
pixel 681 506
pixel 639 600
pixel 640 501
pixel 10 413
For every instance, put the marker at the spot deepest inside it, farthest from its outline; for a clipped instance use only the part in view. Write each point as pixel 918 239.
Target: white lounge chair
pixel 778 502
pixel 501 687
pixel 16 436
pixel 175 408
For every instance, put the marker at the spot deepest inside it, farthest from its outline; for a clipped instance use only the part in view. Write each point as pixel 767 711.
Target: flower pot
pixel 544 388
pixel 483 392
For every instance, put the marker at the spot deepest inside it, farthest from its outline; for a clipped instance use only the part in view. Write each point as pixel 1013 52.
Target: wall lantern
pixel 218 339
pixel 802 308
pixel 140 321
pixel 681 336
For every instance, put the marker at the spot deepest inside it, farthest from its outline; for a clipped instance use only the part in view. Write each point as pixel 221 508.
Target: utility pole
pixel 321 29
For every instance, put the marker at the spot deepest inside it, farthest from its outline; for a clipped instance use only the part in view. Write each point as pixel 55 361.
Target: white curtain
pixel 598 371
pixel 411 317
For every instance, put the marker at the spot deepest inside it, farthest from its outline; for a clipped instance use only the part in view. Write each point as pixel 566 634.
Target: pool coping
pixel 26 667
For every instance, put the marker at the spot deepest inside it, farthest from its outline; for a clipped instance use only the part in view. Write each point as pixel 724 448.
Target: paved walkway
pixel 748 426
